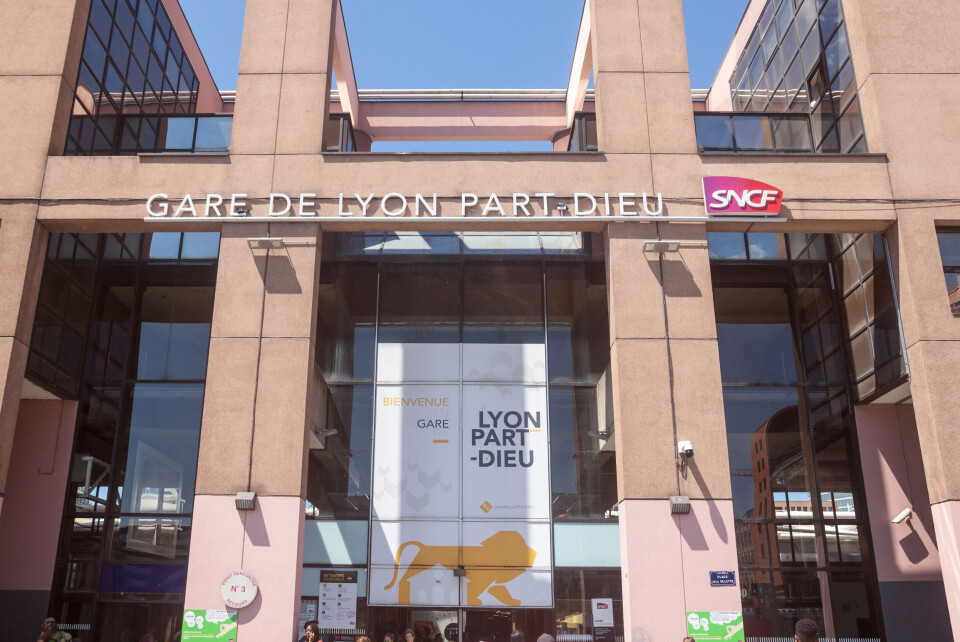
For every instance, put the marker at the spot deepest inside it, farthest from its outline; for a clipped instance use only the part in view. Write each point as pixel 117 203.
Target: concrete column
pixel 257 411
pixel 39 49
pixel 40 467
pixel 907 95
pixel 667 386
pixel 283 87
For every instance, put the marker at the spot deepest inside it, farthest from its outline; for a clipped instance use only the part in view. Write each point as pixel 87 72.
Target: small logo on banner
pixel 725 195
pixel 486 507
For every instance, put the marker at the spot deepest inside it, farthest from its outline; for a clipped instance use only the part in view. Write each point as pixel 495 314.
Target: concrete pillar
pixel 257 411
pixel 40 467
pixel 666 373
pixel 908 96
pixel 283 86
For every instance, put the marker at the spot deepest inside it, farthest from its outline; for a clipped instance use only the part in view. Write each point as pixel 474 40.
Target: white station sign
pixel 238 589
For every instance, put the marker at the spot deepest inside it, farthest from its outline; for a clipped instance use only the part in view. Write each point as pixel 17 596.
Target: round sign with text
pixel 238 589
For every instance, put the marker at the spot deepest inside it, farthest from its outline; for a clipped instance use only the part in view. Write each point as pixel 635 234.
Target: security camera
pixel 685 449
pixel 904 515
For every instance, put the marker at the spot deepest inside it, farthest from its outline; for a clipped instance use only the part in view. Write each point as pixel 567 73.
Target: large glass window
pixel 146 331
pixel 803 66
pixel 132 63
pixel 799 515
pixel 468 289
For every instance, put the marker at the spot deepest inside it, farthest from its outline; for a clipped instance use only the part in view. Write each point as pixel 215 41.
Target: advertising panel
pixel 716 625
pixel 215 624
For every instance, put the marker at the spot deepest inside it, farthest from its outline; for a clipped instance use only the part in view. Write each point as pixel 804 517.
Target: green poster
pixel 209 625
pixel 715 625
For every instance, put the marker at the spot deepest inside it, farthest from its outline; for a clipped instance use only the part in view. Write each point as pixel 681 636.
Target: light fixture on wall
pixel 661 247
pixel 246 501
pixel 265 243
pixel 679 505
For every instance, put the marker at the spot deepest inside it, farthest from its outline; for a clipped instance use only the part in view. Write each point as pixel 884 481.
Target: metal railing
pixel 746 132
pixel 165 134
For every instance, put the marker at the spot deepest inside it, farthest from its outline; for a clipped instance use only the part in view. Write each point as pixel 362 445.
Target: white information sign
pixel 238 589
pixel 338 600
pixel 602 612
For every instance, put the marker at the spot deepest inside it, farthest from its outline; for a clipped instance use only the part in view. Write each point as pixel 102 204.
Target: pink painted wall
pixel 666 562
pixel 719 97
pixel 267 542
pixel 33 505
pixel 946 519
pixel 908 551
pixel 209 101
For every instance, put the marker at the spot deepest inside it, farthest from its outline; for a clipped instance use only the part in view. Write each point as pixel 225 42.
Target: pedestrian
pixel 362 638
pixel 409 636
pixel 689 639
pixel 806 631
pixel 50 631
pixel 546 637
pixel 518 636
pixel 148 636
pixel 389 637
pixel 311 632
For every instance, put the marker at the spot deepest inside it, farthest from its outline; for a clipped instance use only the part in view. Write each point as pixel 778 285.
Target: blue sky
pixel 432 44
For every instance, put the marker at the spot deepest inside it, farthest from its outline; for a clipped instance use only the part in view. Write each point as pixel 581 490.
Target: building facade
pixel 690 373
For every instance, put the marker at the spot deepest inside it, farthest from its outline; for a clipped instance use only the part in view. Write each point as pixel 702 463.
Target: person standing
pixel 806 631
pixel 389 637
pixel 50 631
pixel 311 632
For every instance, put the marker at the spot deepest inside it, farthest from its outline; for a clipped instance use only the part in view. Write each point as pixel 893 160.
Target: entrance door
pixel 459 625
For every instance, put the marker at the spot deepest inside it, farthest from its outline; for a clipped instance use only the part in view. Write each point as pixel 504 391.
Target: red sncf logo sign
pixel 725 195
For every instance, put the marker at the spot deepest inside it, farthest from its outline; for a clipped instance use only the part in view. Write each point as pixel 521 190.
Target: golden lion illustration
pixel 500 558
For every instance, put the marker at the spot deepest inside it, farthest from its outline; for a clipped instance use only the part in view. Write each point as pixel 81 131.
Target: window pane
pixel 161 445
pixel 583 456
pixel 829 19
pixel 406 316
pixel 200 245
pixel 792 134
pixel 714 132
pixel 763 443
pixel 726 245
pixel 174 333
pixel 766 246
pixel 577 322
pixel 837 53
pixel 346 330
pixel 752 133
pixel 151 538
pixel 503 303
pixel 754 332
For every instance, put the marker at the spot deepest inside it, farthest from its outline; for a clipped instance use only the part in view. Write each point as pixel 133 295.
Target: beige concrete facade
pixel 260 386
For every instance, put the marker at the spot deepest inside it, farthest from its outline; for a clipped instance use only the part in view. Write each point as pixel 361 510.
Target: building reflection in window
pixel 791 441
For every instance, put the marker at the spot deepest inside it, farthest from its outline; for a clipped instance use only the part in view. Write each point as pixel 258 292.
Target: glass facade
pixel 138 369
pixel 545 289
pixel 133 70
pixel 798 60
pixel 801 525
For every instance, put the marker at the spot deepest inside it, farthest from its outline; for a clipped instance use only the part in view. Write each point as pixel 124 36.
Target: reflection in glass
pixel 174 333
pixel 161 459
pixel 582 454
pixel 346 321
pixel 338 469
pixel 150 538
pixel 756 341
pixel 577 322
pixel 407 315
pixel 503 303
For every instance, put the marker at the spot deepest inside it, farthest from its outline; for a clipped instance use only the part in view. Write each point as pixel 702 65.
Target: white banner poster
pixel 416 447
pixel 461 477
pixel 505 452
